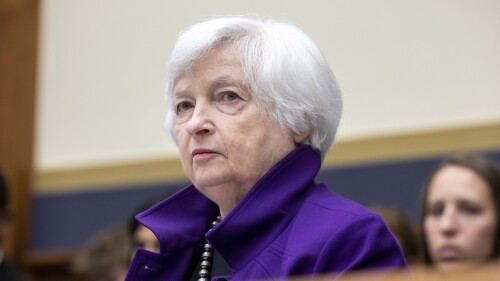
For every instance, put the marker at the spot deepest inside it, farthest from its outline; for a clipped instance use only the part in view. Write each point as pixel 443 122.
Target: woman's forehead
pixel 218 68
pixel 456 181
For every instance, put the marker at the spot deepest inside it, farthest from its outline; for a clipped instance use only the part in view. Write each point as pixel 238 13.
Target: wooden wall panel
pixel 18 48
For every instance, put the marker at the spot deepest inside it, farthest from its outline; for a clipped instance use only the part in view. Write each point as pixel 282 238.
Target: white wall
pixel 403 66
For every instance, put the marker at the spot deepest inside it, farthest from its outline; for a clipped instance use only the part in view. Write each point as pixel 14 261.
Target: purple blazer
pixel 287 225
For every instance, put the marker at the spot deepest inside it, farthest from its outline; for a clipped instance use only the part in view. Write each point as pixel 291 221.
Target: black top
pixel 8 273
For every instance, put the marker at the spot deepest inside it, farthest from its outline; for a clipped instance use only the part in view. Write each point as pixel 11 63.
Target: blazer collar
pixel 267 209
pixel 182 220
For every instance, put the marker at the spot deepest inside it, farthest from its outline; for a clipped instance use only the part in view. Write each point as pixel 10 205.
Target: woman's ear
pixel 300 137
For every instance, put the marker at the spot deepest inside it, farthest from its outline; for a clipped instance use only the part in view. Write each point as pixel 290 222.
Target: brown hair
pixel 489 171
pixel 399 224
pixel 106 249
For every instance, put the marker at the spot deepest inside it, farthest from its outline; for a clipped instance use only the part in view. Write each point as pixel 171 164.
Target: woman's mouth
pixel 202 153
pixel 449 253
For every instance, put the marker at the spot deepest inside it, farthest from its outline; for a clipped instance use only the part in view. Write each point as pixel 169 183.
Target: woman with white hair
pixel 253 108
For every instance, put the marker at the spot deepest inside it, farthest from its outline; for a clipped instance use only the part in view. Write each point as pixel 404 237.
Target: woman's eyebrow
pixel 224 80
pixel 179 94
pixel 221 81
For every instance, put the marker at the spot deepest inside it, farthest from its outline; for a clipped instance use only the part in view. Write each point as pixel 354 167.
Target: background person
pixel 105 257
pixel 7 271
pixel 253 108
pixel 402 228
pixel 461 213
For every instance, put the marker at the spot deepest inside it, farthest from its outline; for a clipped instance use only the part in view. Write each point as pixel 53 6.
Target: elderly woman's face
pixel 460 219
pixel 227 142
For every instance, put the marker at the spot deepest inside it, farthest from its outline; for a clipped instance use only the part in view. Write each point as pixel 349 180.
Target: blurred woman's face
pixel 460 218
pixel 227 142
pixel 145 238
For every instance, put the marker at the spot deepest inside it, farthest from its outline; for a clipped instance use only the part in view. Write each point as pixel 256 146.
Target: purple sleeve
pixel 148 266
pixel 365 243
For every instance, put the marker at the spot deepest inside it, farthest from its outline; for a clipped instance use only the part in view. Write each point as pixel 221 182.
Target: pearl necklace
pixel 207 257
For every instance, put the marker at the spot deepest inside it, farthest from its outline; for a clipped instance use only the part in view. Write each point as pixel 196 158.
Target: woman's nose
pixel 448 223
pixel 200 122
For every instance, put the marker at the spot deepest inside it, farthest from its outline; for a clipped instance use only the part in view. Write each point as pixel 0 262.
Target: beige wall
pixel 403 66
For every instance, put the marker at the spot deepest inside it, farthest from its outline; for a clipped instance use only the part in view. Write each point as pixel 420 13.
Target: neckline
pixel 267 209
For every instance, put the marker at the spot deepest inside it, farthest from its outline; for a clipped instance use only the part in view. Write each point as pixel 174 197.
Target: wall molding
pixel 414 145
pixel 344 153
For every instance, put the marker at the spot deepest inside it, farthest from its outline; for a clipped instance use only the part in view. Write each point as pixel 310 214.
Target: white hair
pixel 284 70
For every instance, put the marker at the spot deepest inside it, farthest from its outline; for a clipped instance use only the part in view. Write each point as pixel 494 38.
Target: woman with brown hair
pixel 461 213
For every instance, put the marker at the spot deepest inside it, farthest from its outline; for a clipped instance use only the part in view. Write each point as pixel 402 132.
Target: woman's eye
pixel 137 244
pixel 183 106
pixel 434 211
pixel 229 96
pixel 470 209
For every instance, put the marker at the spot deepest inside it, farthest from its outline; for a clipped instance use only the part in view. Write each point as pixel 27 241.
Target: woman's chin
pixel 455 265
